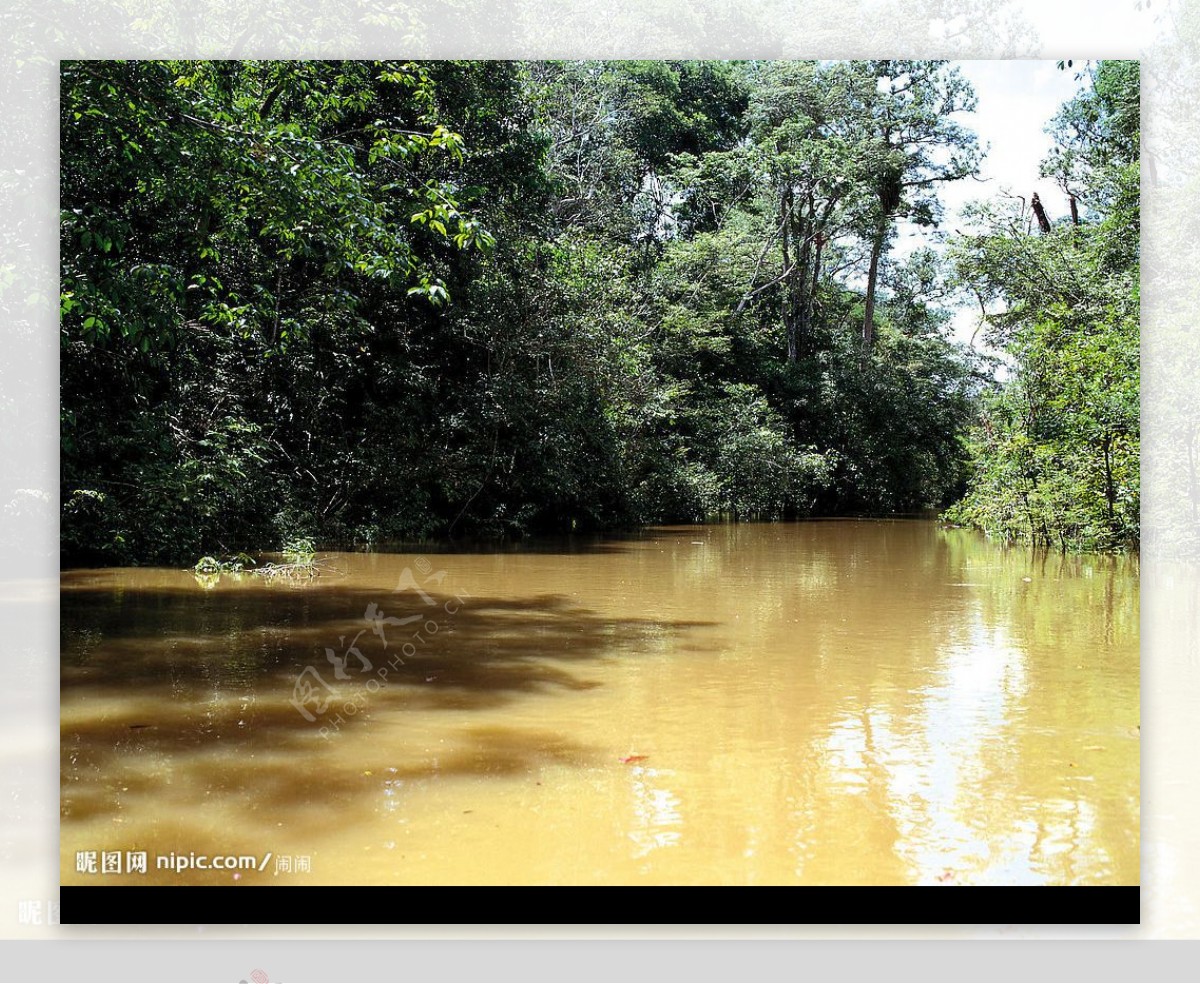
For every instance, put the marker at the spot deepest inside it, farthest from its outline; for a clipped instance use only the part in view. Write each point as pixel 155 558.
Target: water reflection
pixel 832 702
pixel 656 811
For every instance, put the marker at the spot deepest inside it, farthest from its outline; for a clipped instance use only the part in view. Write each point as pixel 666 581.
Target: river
pixel 827 702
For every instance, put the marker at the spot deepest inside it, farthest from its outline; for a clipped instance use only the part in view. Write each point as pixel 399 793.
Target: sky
pixel 1016 101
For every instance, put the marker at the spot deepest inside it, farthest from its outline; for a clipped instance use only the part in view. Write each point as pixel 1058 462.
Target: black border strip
pixel 111 905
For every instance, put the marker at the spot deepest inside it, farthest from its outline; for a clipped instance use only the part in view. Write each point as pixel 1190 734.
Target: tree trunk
pixel 797 298
pixel 1038 210
pixel 789 314
pixel 810 296
pixel 1110 489
pixel 868 333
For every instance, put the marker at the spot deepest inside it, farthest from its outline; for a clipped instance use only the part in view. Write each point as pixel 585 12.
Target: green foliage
pixel 1055 452
pixel 299 550
pixel 244 197
pixel 368 302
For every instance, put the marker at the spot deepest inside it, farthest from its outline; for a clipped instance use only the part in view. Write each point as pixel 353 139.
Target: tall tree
pixel 802 160
pixel 915 144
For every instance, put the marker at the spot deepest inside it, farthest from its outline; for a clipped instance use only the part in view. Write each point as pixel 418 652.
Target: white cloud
pixel 1016 100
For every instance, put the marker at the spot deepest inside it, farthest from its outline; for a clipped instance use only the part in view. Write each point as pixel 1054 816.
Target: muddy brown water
pixel 838 702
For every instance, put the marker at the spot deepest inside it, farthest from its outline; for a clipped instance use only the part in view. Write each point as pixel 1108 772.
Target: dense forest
pixel 362 302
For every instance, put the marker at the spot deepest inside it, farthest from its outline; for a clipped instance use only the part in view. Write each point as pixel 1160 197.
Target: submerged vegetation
pixel 363 301
pixel 299 561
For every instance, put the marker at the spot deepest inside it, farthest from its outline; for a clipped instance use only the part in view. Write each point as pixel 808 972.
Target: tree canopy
pixel 363 302
pixel 1055 450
